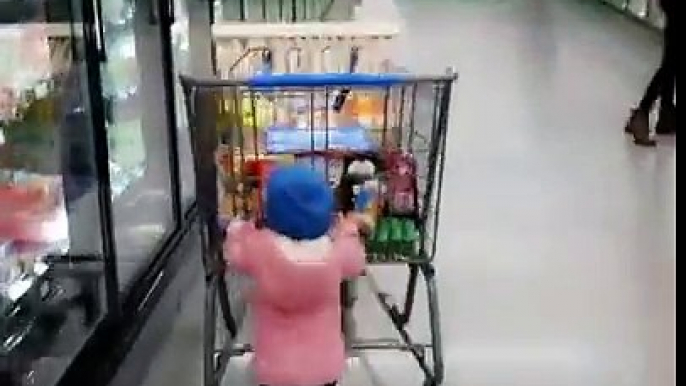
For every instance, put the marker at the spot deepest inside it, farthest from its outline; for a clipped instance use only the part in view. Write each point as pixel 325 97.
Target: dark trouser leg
pixel 666 123
pixel 661 86
pixel 653 91
pixel 663 83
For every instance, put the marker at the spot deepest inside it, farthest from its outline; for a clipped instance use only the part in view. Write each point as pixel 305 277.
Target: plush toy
pixel 359 191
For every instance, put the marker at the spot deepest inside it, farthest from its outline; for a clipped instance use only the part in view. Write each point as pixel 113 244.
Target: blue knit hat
pixel 299 202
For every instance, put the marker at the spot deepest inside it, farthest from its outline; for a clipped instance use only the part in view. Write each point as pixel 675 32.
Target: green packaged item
pixel 378 241
pixel 396 232
pixel 410 236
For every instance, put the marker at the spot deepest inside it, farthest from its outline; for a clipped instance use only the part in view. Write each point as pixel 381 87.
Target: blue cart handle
pixel 326 79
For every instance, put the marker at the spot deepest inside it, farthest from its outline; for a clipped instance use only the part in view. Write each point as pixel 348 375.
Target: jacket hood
pixel 302 275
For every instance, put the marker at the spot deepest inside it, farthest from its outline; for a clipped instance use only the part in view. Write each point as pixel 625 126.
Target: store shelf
pixel 48 30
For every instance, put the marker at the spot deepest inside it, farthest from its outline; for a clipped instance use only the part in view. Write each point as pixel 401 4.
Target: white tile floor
pixel 557 257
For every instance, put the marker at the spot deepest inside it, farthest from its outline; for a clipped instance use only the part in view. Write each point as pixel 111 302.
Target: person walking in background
pixel 662 87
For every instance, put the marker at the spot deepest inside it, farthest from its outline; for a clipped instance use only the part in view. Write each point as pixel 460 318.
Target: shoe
pixel 638 126
pixel 666 123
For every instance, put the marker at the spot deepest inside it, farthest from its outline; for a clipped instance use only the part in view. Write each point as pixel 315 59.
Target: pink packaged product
pixel 401 184
pixel 31 212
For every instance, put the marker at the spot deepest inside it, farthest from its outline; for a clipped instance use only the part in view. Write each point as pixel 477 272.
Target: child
pixel 297 262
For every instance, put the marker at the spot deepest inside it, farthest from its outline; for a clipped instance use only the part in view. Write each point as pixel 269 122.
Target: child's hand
pixel 237 247
pixel 365 222
pixel 353 223
pixel 234 225
pixel 346 224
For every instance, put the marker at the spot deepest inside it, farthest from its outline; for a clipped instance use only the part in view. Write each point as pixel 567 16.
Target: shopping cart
pixel 396 122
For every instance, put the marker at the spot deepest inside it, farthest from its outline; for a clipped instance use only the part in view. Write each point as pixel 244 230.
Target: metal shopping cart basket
pixel 397 123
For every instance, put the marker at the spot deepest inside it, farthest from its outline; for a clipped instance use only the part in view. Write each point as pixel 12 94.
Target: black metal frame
pixel 220 301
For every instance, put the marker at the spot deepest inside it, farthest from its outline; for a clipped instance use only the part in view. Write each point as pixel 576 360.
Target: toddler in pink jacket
pixel 297 262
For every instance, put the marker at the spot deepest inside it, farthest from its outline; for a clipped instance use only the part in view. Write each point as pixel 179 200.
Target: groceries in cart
pixel 348 140
pixel 378 188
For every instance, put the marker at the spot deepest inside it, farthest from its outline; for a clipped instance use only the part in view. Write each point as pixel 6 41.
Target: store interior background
pixel 93 119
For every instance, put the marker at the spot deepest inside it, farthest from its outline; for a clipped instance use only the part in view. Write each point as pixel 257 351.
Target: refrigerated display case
pixel 91 204
pixel 53 263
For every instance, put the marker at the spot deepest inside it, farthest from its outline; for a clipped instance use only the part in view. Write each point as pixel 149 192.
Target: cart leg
pixel 433 369
pixel 218 335
pixel 225 306
pixel 435 323
pixel 210 332
pixel 404 318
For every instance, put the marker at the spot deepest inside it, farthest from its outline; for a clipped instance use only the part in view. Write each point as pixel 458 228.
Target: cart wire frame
pixel 225 302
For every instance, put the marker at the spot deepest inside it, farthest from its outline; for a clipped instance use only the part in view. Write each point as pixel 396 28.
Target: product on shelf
pixel 10 269
pixel 32 211
pixel 27 121
pixel 21 264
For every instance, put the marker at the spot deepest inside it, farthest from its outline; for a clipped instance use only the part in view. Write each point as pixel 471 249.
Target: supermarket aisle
pixel 557 254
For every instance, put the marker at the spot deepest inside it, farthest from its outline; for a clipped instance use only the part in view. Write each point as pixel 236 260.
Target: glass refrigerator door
pixel 52 269
pixel 134 92
pixel 179 25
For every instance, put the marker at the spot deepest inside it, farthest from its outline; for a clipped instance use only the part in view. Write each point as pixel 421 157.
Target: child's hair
pixel 299 202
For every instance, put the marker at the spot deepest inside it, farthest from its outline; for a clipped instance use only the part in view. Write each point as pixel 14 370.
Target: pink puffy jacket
pixel 295 301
